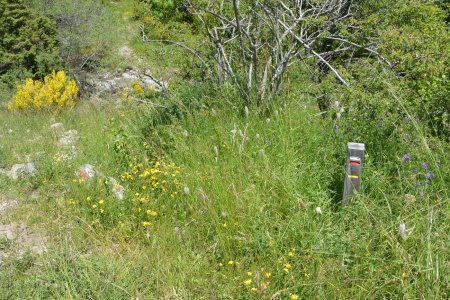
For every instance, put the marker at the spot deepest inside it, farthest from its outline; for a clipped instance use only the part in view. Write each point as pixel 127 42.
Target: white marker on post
pixel 355 159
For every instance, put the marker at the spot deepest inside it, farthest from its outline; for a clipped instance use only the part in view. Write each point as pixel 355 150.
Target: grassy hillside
pixel 246 211
pixel 221 201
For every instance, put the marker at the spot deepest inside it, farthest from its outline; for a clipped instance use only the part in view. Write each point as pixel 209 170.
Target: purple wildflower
pixel 336 127
pixel 406 157
pixel 405 120
pixel 428 177
pixel 417 183
pixel 424 165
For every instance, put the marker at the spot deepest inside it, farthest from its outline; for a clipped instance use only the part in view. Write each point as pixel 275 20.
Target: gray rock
pixel 125 80
pixel 20 171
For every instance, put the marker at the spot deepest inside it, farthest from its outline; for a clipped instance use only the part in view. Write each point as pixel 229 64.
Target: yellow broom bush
pixel 56 92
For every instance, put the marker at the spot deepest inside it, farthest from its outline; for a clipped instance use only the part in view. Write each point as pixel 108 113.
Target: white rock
pixel 19 171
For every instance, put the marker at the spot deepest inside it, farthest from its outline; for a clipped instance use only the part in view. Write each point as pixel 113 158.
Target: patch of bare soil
pixel 16 239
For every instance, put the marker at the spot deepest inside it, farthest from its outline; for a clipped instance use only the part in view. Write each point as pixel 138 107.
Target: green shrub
pixel 414 38
pixel 28 42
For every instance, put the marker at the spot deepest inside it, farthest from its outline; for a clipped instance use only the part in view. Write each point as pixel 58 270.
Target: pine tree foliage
pixel 28 42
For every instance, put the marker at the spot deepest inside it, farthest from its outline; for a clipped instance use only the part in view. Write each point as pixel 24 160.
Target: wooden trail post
pixel 353 172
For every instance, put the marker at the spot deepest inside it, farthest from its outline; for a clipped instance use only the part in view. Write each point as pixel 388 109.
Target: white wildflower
pixel 186 190
pixel 247 112
pixel 318 210
pixel 402 230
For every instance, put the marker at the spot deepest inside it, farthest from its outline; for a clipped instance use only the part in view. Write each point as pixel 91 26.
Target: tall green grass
pixel 250 210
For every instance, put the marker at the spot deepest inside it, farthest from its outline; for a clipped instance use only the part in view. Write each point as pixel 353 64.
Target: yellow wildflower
pixel 248 282
pixel 294 297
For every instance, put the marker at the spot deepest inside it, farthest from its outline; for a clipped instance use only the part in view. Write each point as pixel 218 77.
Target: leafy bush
pixel 56 92
pixel 83 30
pixel 414 88
pixel 28 42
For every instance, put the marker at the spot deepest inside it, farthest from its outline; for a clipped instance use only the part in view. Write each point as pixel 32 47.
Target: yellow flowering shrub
pixel 55 92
